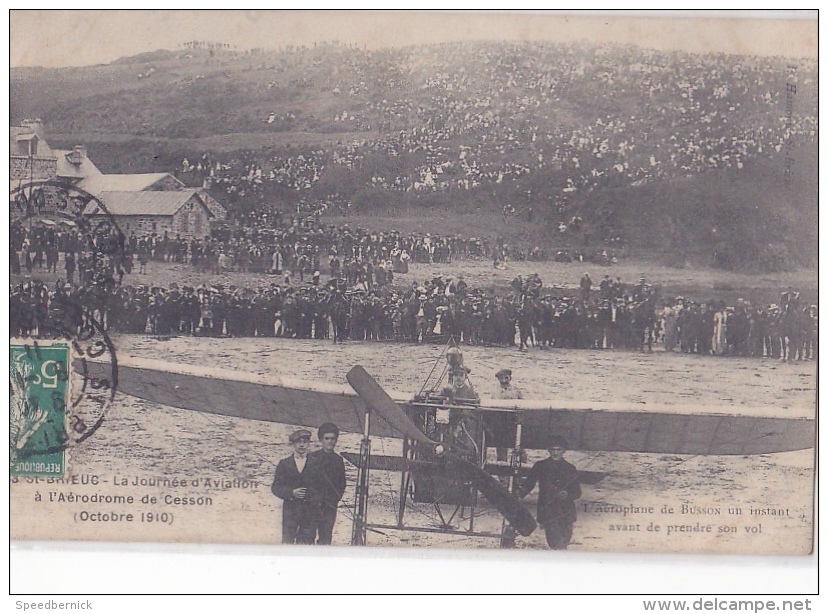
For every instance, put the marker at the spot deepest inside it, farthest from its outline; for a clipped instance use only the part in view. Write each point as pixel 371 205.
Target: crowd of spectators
pixel 464 116
pixel 72 252
pixel 306 246
pixel 299 250
pixel 607 315
pixel 449 118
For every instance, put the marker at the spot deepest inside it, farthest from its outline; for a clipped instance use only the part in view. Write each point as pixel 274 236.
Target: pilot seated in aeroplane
pixel 458 390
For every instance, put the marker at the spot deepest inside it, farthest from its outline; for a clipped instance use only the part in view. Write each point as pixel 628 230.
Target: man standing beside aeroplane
pixel 503 427
pixel 292 483
pixel 327 482
pixel 507 390
pixel 558 488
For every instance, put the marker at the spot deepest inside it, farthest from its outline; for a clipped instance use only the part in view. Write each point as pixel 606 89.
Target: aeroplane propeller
pixel 379 402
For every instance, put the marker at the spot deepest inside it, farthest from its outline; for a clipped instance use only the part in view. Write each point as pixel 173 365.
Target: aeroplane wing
pixel 498 469
pixel 380 462
pixel 586 426
pixel 397 463
pixel 244 395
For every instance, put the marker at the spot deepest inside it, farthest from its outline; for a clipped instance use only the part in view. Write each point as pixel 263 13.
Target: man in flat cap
pixel 507 390
pixel 558 488
pixel 292 484
pixel 328 482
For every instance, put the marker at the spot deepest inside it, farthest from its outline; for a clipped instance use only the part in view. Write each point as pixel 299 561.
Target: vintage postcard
pixel 441 280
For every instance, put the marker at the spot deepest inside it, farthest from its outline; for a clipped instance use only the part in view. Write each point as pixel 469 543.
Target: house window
pixel 185 223
pixel 197 222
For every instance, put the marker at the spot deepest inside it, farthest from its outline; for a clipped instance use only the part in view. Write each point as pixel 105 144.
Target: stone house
pixel 164 203
pixel 177 212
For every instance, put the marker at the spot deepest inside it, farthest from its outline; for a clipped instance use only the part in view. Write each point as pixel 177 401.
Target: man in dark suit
pixel 327 482
pixel 558 488
pixel 292 483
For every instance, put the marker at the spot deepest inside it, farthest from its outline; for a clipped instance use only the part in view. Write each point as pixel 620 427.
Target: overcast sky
pixel 79 38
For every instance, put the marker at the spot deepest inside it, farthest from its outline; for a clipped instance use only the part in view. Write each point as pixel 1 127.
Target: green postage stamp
pixel 39 389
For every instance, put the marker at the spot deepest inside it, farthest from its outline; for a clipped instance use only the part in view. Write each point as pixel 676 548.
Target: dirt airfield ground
pixel 142 442
pixel 231 461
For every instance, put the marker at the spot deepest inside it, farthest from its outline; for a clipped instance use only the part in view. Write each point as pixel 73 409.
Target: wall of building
pixel 191 221
pixel 37 169
pixel 167 184
pixel 216 208
pixel 144 224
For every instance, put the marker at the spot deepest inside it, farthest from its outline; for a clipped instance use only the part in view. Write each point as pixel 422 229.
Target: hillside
pixel 677 155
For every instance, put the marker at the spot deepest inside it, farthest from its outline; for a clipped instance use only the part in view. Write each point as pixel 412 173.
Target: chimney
pixel 77 155
pixel 35 125
pixel 207 183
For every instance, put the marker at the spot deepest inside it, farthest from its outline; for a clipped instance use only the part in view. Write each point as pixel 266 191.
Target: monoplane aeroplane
pixel 446 433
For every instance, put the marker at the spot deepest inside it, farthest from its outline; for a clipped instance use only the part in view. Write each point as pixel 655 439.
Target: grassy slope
pixel 217 103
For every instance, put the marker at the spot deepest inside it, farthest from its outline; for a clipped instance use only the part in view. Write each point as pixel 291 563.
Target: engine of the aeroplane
pixel 458 430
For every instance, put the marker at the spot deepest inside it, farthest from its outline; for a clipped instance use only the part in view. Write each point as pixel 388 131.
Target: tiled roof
pixel 18 145
pixel 120 183
pixel 86 170
pixel 142 203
